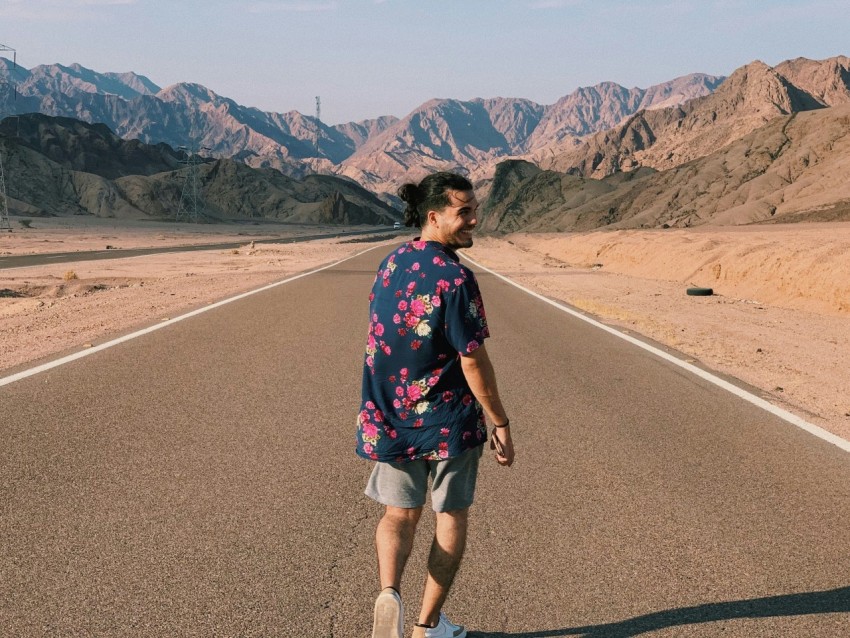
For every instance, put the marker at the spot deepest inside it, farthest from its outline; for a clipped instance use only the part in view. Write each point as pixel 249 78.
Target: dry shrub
pixel 70 275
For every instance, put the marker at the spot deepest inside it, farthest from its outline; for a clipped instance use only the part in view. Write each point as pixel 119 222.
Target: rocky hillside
pixel 791 169
pixel 752 96
pixel 470 136
pixel 60 166
pixel 473 136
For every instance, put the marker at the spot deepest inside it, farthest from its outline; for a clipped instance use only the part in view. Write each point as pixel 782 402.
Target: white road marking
pixel 785 415
pixel 90 351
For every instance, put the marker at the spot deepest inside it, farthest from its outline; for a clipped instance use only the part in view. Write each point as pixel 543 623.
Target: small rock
pixel 759 350
pixel 88 345
pixel 779 388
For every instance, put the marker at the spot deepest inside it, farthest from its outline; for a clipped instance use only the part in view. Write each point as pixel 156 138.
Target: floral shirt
pixel 425 310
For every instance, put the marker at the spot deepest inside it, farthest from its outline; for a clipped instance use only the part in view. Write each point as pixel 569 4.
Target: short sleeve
pixel 465 323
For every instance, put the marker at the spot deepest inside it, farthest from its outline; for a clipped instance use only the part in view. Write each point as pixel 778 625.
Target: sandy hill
pixel 793 168
pixel 60 166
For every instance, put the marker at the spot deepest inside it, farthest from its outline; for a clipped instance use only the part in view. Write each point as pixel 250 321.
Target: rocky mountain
pixel 441 134
pixel 473 136
pixel 184 114
pixel 793 168
pixel 668 137
pixel 62 166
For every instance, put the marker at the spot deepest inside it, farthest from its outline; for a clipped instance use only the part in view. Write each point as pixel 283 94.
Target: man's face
pixel 454 224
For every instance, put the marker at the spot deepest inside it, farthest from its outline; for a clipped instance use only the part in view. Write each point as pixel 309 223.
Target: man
pixel 427 384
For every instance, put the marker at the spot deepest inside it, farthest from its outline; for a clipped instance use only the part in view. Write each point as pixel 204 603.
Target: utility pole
pixel 5 223
pixel 191 206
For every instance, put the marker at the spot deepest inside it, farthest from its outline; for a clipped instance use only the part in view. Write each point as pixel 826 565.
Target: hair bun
pixel 410 193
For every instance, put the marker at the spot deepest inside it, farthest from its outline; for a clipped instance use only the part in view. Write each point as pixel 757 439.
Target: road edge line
pixel 114 342
pixel 783 414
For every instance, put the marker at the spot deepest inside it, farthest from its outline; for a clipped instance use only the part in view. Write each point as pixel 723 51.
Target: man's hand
pixel 502 443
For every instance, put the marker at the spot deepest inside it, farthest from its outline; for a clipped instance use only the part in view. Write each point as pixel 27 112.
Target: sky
pixel 367 58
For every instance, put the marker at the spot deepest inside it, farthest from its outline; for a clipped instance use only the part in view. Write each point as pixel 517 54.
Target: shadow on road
pixel 822 602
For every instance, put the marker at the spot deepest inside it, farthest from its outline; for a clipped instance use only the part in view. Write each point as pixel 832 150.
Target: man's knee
pixel 404 516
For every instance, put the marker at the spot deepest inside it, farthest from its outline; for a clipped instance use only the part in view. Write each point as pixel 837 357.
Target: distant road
pixel 201 481
pixel 20 261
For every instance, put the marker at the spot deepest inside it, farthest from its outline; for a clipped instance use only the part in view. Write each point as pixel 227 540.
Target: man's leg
pixel 394 542
pixel 443 562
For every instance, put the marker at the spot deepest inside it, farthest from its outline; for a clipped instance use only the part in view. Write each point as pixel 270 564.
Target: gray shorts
pixel 405 484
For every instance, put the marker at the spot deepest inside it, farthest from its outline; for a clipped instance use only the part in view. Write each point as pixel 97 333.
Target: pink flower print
pixel 379 416
pixel 410 288
pixel 399 391
pixel 439 261
pixel 404 372
pixel 410 320
pixel 442 286
pixel 415 266
pixel 416 344
pixel 371 297
pixel 467 399
pixel 370 361
pixel 367 447
pixel 374 317
pixel 402 332
pixel 447 396
pixel 402 305
pixel 466 435
pixel 458 281
pixel 374 456
pixel 370 405
pixel 397 403
pixel 371 344
pixel 444 445
pixel 410 451
pixel 418 245
pixel 396 318
pixel 435 301
pixel 370 431
pixel 397 294
pixel 393 434
pixel 391 378
pixel 417 307
pixel 414 392
pixel 418 423
pixel 386 349
pixel 444 431
pixel 403 415
pixel 379 329
pixel 472 345
pixel 386 283
pixel 433 381
pixel 444 454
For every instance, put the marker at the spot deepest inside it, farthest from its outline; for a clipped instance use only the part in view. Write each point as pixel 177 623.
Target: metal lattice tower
pixel 318 121
pixel 5 224
pixel 191 206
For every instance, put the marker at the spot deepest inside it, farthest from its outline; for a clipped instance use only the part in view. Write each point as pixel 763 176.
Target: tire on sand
pixel 700 292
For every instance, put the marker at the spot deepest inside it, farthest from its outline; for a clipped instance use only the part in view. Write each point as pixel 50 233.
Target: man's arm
pixel 481 378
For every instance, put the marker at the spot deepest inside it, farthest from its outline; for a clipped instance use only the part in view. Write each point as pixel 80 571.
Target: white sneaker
pixel 445 629
pixel 389 615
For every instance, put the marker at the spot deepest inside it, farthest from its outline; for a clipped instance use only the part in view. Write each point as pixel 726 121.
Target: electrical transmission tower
pixel 191 206
pixel 318 121
pixel 5 224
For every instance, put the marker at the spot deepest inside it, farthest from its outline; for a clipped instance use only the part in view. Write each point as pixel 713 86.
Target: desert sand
pixel 778 320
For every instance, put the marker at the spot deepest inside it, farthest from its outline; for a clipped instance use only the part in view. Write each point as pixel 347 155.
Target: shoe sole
pixel 387 622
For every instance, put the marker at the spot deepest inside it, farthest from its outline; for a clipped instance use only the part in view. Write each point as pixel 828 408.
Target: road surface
pixel 201 481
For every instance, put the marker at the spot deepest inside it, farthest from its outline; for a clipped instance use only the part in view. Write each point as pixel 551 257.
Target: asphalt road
pixel 201 481
pixel 21 261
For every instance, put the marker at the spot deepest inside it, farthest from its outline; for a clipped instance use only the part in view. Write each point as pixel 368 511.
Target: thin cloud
pixel 54 10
